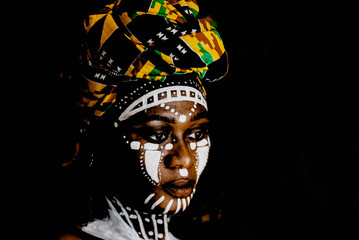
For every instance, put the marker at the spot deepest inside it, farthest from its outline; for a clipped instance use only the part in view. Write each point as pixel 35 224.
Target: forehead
pixel 185 107
pixel 174 112
pixel 179 111
pixel 163 95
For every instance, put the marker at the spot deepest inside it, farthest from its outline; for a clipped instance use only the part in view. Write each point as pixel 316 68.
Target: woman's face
pixel 171 144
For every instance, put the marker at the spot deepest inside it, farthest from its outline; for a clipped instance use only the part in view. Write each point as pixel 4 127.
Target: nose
pixel 180 156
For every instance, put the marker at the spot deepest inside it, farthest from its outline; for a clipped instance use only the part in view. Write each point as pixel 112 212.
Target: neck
pixel 136 224
pixel 147 225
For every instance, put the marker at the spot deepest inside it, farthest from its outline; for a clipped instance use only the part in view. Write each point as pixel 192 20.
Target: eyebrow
pixel 199 115
pixel 159 118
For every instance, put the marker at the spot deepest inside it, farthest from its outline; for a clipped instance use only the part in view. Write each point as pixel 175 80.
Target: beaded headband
pixel 163 96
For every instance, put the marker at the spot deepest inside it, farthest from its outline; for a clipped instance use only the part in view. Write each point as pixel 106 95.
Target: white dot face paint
pixel 169 146
pixel 182 118
pixel 183 172
pixel 158 145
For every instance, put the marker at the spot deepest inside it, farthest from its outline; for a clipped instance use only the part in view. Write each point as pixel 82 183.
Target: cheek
pixel 150 158
pixel 202 160
pixel 152 162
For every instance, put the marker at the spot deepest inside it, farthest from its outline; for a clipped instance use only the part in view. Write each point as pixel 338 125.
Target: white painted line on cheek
pixel 152 160
pixel 202 143
pixel 193 145
pixel 151 146
pixel 202 159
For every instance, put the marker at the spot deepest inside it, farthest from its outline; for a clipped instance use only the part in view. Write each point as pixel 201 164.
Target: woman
pixel 144 131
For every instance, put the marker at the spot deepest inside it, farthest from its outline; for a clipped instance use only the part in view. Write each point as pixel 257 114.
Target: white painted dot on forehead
pixel 182 118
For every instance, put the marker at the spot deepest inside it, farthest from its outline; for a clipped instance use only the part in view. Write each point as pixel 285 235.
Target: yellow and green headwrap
pixel 131 40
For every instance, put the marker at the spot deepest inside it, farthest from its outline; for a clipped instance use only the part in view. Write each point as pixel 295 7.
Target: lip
pixel 180 188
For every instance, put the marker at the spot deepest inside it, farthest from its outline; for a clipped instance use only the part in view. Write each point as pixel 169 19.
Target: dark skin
pixel 159 125
pixel 162 126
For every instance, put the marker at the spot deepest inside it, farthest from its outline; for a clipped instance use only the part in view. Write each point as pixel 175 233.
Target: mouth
pixel 179 188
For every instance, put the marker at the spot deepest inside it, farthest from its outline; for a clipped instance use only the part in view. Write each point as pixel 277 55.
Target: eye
pixel 157 137
pixel 197 136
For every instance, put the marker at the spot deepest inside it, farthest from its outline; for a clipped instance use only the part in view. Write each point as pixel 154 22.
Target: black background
pixel 284 134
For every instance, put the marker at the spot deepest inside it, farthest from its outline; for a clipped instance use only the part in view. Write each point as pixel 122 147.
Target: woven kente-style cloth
pixel 143 39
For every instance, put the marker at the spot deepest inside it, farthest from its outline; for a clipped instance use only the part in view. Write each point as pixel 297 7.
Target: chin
pixel 169 202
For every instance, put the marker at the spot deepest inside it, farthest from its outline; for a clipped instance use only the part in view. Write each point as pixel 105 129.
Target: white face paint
pixel 202 143
pixel 135 145
pixel 151 146
pixel 152 161
pixel 169 146
pixel 156 156
pixel 182 118
pixel 193 145
pixel 169 205
pixel 203 152
pixel 152 158
pixel 183 172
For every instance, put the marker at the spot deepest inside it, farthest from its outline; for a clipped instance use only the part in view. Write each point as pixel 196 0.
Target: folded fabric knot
pixel 132 40
pixel 129 40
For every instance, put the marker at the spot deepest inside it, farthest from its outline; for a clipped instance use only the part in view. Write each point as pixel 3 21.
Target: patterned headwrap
pixel 131 41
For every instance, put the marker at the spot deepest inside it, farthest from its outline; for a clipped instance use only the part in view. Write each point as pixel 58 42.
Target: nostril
pixel 179 155
pixel 179 160
pixel 168 162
